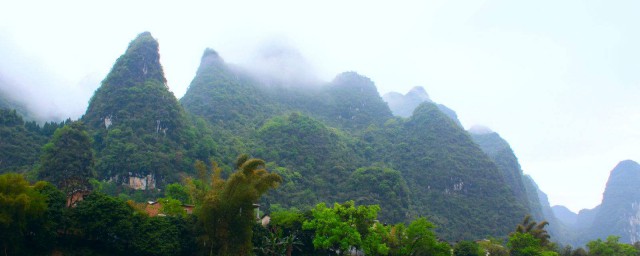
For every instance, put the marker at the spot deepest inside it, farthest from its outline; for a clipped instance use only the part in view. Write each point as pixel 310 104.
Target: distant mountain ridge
pixel 565 215
pixel 619 213
pixel 404 105
pixel 522 186
pixel 616 215
pixel 318 137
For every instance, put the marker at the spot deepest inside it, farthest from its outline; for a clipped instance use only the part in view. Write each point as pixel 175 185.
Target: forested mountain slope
pixel 138 126
pixel 330 142
pixel 619 212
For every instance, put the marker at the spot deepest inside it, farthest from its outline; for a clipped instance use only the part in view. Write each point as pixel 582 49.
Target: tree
pixel 466 248
pixel 19 205
pixel 157 236
pixel 45 229
pixel 610 247
pixel 524 244
pixel 421 239
pixel 227 210
pixel 290 221
pixel 530 238
pixel 105 220
pixel 172 207
pixel 67 160
pixel 341 228
pixel 178 192
pixel 537 230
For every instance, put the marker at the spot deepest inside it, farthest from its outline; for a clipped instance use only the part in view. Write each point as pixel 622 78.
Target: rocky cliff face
pixel 619 213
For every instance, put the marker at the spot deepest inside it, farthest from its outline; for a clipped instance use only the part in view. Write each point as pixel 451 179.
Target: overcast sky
pixel 558 79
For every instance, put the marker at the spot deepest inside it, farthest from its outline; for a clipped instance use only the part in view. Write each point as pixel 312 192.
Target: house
pixel 153 208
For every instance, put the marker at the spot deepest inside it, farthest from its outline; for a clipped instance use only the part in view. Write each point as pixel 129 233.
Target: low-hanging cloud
pixel 276 62
pixel 46 95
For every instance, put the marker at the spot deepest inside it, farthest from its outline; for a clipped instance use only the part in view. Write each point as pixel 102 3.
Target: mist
pixel 45 95
pixel 277 62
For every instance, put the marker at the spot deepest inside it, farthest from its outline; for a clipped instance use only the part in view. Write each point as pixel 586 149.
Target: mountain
pixel 331 142
pixel 447 174
pixel 354 102
pixel 20 142
pixel 619 212
pixel 523 187
pixel 8 102
pixel 339 141
pixel 225 96
pixel 502 155
pixel 565 215
pixel 313 159
pixel 139 129
pixel 404 105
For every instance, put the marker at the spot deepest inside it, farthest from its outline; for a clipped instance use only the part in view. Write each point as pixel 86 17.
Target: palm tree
pixel 535 229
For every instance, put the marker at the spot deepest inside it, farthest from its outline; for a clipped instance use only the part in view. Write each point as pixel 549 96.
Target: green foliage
pixel 104 219
pixel 524 244
pixel 289 219
pixel 355 103
pixel 172 207
pixel 178 192
pixel 20 144
pixel 163 236
pixel 55 218
pixel 421 239
pixel 225 98
pixel 447 174
pixel 610 247
pixel 314 159
pixel 137 124
pixel 275 242
pixel 226 213
pixel 381 186
pixel 319 135
pixel 502 155
pixel 67 160
pixel 466 248
pixel 537 230
pixel 373 243
pixel 20 205
pixel 342 227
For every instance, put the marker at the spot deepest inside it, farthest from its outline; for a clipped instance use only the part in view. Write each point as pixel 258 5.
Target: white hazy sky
pixel 558 79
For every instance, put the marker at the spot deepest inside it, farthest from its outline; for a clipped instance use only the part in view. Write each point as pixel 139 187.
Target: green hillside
pixel 138 127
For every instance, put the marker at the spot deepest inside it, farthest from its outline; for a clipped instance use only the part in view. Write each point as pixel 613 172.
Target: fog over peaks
pixel 278 63
pixel 49 97
pixel 479 129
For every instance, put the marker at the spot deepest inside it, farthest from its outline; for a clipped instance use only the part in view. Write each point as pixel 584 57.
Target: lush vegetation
pixel 21 142
pixel 35 220
pixel 331 142
pixel 137 125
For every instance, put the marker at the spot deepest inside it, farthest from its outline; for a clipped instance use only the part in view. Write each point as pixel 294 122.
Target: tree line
pixel 37 218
